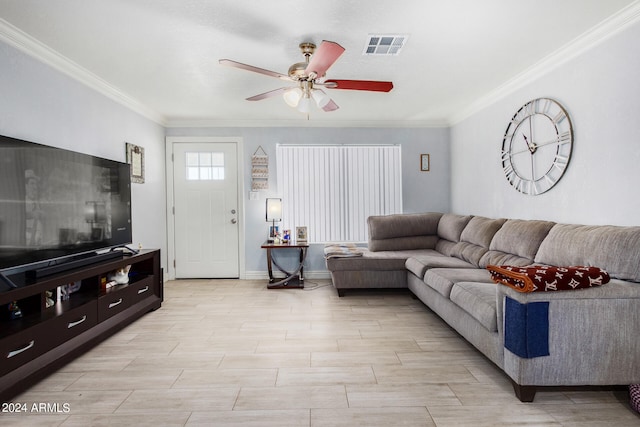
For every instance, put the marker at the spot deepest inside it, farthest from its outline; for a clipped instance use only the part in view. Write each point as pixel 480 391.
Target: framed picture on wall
pixel 424 162
pixel 135 157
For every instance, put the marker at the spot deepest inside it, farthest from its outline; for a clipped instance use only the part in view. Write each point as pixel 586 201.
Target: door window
pixel 204 166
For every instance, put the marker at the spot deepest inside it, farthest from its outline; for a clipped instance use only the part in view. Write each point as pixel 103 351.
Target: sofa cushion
pixel 419 265
pixel 449 230
pixel 451 225
pixel 615 249
pixel 403 231
pixel 516 243
pixel 443 279
pixel 479 301
pixel 476 238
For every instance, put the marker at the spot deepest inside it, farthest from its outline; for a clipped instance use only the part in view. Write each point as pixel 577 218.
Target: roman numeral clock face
pixel 537 146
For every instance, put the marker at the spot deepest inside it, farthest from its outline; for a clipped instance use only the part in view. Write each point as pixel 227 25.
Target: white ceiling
pixel 160 57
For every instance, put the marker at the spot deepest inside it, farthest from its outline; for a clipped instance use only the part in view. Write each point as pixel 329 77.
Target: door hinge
pixel 174 263
pixel 173 210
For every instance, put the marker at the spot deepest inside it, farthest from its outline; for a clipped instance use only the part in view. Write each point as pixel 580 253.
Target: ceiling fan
pixel 309 75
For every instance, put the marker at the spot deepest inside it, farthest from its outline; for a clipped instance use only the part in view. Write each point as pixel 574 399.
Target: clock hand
pixel 542 144
pixel 532 147
pixel 533 170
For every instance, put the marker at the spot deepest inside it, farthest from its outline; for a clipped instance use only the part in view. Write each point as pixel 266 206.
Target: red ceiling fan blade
pixel 370 85
pixel 323 58
pixel 230 63
pixel 269 94
pixel 331 106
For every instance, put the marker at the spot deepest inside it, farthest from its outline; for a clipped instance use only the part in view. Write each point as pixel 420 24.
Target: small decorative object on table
pixel 68 289
pixel 301 234
pixel 14 311
pixel 49 299
pixel 286 235
pixel 274 232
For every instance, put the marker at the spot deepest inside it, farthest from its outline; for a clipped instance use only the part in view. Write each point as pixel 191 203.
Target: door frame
pixel 169 143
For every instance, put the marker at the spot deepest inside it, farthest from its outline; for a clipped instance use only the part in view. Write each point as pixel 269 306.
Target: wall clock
pixel 537 146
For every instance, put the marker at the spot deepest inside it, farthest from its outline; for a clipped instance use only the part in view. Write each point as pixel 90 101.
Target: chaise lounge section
pixel 537 338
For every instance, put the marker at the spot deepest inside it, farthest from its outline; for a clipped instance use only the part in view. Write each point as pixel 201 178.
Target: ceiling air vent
pixel 388 44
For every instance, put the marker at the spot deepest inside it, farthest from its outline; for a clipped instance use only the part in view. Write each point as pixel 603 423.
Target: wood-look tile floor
pixel 230 352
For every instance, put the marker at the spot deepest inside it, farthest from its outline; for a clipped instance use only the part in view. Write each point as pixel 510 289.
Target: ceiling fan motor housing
pixel 297 70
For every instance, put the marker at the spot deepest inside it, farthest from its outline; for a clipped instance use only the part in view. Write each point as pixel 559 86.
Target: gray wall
pixel 422 191
pixel 600 89
pixel 42 105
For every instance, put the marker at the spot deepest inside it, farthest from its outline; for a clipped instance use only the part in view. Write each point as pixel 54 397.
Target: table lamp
pixel 274 213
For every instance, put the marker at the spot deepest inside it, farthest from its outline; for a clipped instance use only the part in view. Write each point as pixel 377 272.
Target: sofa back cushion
pixel 516 243
pixel 613 248
pixel 403 231
pixel 476 238
pixel 449 230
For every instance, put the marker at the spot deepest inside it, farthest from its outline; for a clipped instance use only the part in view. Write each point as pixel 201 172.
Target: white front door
pixel 205 186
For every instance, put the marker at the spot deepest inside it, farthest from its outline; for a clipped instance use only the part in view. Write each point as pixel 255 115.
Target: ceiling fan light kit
pixel 309 74
pixel 321 98
pixel 292 96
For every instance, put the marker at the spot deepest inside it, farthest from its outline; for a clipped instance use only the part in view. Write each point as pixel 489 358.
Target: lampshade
pixel 304 105
pixel 320 97
pixel 274 209
pixel 292 96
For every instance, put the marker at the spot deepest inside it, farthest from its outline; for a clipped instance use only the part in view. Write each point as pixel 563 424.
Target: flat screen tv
pixel 57 205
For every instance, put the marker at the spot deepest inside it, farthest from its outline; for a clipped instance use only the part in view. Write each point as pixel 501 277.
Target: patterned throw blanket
pixel 342 250
pixel 542 278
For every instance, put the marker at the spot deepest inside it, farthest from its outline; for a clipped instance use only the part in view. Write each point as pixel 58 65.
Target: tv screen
pixel 56 203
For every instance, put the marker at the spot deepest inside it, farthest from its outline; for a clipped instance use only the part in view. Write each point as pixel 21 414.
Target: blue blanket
pixel 526 328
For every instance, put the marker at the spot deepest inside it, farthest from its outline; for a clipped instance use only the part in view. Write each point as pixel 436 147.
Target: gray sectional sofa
pixel 565 338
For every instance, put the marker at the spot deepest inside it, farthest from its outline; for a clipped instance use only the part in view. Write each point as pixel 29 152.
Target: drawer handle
pixel 113 304
pixel 77 322
pixel 17 352
pixel 143 290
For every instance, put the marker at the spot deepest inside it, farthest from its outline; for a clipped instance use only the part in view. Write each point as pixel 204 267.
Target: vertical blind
pixel 333 189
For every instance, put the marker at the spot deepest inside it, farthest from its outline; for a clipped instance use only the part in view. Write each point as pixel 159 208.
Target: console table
pixel 293 279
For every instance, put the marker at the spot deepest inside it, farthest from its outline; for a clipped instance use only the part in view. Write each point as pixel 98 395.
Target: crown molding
pixel 606 29
pixel 311 123
pixel 22 41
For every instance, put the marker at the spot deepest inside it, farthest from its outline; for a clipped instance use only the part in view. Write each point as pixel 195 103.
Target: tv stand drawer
pixel 74 322
pixel 24 346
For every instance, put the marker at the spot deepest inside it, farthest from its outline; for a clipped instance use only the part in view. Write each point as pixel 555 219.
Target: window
pixel 333 189
pixel 204 166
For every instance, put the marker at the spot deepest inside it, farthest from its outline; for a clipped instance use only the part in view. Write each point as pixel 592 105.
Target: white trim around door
pixel 170 141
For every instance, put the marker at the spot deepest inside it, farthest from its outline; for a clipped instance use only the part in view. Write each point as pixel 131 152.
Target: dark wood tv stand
pixel 47 337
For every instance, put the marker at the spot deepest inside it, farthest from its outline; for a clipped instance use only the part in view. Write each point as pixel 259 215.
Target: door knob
pixel 233 221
